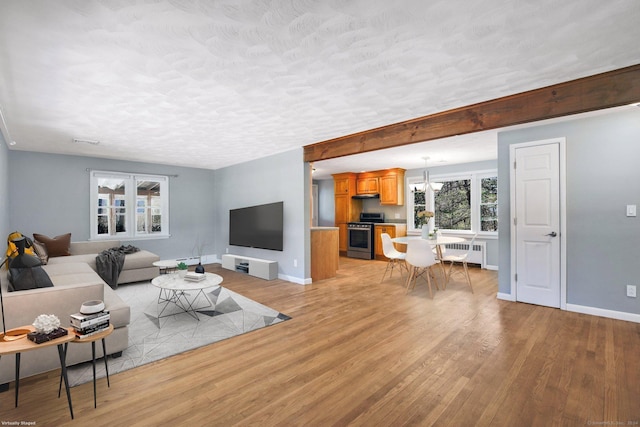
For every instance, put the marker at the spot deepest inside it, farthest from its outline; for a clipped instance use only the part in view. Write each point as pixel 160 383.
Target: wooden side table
pixel 24 344
pixel 92 339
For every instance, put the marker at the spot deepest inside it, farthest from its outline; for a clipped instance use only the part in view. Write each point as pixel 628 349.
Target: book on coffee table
pixel 194 277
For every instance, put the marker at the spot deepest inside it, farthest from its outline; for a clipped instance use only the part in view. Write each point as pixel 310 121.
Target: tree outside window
pixel 467 203
pixel 419 205
pixel 489 204
pixel 453 205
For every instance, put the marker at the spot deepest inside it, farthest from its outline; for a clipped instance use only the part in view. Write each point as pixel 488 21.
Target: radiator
pixel 476 256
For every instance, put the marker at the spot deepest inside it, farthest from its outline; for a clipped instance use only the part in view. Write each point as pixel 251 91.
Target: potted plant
pixel 182 269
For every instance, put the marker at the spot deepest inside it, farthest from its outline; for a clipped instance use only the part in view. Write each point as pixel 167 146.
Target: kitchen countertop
pixel 323 228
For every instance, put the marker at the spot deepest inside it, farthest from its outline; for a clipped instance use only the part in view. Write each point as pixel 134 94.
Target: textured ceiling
pixel 214 83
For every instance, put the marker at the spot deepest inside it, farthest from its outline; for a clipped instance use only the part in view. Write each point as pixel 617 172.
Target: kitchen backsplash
pixel 392 214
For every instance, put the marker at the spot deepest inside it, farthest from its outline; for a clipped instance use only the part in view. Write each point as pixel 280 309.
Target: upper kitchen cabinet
pixel 367 183
pixel 392 187
pixel 344 184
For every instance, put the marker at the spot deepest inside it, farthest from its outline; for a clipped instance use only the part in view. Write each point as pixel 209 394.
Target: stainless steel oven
pixel 361 235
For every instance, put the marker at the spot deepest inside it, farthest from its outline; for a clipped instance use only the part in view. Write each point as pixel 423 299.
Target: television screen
pixel 257 226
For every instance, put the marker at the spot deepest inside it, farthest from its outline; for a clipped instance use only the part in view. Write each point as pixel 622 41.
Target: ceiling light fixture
pixel 422 186
pixel 85 141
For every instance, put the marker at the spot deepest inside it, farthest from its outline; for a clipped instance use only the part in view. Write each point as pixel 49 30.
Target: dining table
pixel 437 242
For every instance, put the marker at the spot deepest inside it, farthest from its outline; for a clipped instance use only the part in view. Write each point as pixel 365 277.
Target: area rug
pixel 153 338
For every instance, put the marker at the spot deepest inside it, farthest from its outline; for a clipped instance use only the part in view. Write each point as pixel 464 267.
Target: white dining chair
pixel 396 258
pixel 420 258
pixel 452 259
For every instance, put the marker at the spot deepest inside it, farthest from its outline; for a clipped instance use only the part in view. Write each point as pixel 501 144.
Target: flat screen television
pixel 257 226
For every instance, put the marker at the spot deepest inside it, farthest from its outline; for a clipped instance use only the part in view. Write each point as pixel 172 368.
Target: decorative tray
pixel 40 337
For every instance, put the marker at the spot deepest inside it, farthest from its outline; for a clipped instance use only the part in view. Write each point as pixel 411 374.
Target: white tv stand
pixel 257 267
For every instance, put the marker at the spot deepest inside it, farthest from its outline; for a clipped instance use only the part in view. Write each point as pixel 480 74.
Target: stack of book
pixel 194 277
pixel 85 325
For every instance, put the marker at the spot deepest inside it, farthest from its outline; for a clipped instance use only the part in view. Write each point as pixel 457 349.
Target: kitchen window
pixel 129 206
pixel 467 203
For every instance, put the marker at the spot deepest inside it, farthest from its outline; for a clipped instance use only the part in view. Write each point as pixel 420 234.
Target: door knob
pixel 552 234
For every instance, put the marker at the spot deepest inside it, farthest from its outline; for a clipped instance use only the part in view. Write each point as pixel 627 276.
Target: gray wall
pixel 326 203
pixel 603 176
pixel 49 194
pixel 281 177
pixel 5 224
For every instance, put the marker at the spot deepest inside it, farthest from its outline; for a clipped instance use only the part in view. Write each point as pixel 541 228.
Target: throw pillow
pixel 41 252
pixel 56 246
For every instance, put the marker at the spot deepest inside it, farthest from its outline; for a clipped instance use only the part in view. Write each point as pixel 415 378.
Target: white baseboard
pixel 491 267
pixel 297 280
pixel 611 314
pixel 194 260
pixel 593 311
pixel 505 297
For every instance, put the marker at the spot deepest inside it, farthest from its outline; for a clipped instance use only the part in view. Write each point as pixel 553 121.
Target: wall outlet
pixel 631 291
pixel 227 250
pixel 295 262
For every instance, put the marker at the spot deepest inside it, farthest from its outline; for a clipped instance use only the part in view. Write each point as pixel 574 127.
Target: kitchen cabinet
pixel 367 184
pixel 393 230
pixel 342 183
pixel 347 209
pixel 392 187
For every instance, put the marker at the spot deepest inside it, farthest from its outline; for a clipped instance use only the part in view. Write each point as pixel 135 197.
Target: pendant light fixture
pixel 426 183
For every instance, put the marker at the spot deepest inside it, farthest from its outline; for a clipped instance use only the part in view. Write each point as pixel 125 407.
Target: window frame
pixel 131 206
pixel 476 178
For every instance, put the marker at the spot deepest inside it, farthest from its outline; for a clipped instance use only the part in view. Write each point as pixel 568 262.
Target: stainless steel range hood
pixel 366 196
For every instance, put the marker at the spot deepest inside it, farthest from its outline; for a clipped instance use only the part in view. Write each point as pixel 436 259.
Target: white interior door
pixel 537 224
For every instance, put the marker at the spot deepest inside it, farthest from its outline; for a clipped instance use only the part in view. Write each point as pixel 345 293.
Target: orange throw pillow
pixel 56 246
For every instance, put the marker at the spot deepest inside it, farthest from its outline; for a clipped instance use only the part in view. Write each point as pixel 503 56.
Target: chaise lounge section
pixel 74 281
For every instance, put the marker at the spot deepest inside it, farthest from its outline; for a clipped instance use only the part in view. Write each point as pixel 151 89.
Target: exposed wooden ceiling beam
pixel 606 90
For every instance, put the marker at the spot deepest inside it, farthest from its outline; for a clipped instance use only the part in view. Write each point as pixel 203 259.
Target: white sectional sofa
pixel 137 266
pixel 74 282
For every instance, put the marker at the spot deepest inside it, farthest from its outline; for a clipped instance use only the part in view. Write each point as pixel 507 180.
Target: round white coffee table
pixel 174 290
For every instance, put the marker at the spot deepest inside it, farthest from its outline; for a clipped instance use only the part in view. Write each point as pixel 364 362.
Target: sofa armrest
pixel 22 307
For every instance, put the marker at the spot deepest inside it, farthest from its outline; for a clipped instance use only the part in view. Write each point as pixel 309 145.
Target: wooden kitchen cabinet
pixel 342 183
pixel 367 185
pixel 393 230
pixel 347 209
pixel 392 187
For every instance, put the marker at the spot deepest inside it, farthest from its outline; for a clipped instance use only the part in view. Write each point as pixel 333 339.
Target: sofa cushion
pixel 56 246
pixel 41 251
pixel 89 259
pixel 140 259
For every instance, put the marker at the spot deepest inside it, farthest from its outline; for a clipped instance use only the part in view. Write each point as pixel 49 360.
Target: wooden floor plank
pixel 360 352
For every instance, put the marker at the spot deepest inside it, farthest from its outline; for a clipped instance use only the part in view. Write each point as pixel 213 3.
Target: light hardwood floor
pixel 363 353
